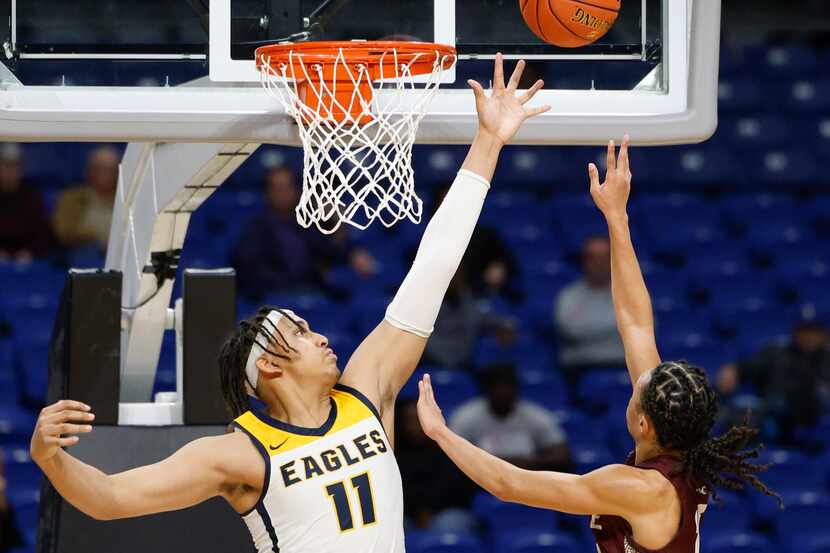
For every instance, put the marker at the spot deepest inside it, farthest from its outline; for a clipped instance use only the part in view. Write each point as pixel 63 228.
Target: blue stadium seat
pixel 747 292
pixel 444 542
pixel 733 542
pixel 21 472
pixel 742 210
pixel 535 541
pixel 26 504
pixel 782 170
pixel 796 262
pixel 731 515
pixel 498 514
pixel 545 388
pixel 599 388
pixel 757 132
pixel 587 458
pixel 707 263
pixel 436 166
pixel 739 95
pixel 452 388
pixel 767 235
pixel 527 168
pixel 808 96
pixel 670 232
pixel 810 540
pixel 16 424
pixel 781 62
pixel 807 510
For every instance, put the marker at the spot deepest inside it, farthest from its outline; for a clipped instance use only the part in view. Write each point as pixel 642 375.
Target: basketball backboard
pixel 184 70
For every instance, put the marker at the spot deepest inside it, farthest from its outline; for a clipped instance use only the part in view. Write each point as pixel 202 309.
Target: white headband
pixel 251 371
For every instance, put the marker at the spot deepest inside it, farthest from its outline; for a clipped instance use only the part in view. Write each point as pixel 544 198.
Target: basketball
pixel 570 23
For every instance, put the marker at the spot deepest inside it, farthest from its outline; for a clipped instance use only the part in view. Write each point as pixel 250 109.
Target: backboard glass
pixel 184 71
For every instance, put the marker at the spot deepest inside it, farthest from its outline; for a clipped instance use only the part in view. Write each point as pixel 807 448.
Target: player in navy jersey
pixel 655 501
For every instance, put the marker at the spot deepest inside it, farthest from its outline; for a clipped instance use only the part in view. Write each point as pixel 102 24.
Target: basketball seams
pixel 566 29
pixel 562 23
pixel 585 3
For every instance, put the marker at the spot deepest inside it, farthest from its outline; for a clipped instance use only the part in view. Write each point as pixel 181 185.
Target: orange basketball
pixel 570 23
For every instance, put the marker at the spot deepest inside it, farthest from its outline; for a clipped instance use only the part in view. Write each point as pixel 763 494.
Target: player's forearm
pixel 418 300
pixel 488 471
pixel 82 485
pixel 632 304
pixel 483 155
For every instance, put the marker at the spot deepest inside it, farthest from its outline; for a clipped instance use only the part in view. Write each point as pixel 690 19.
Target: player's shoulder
pixel 638 485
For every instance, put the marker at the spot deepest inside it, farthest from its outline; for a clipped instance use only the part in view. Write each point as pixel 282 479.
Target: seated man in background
pixel 461 322
pixel 508 427
pixel 792 379
pixel 584 316
pixel 25 231
pixel 274 253
pixel 491 268
pixel 436 493
pixel 84 213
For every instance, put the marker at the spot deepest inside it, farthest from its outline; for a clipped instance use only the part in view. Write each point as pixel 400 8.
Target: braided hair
pixel 681 403
pixel 235 351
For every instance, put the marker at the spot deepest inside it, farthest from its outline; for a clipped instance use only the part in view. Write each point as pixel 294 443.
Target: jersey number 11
pixel 340 497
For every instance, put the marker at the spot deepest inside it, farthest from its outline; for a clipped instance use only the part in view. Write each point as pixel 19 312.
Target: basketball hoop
pixel 357 107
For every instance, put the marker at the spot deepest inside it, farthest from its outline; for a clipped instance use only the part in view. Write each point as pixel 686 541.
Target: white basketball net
pixel 356 172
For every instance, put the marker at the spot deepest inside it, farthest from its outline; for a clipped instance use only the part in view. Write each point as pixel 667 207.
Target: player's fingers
pixel 65 404
pixel 531 92
pixel 61 442
pixel 516 76
pixel 611 160
pixel 67 415
pixel 66 428
pixel 532 112
pixel 478 90
pixel 498 72
pixel 593 176
pixel 624 154
pixel 430 393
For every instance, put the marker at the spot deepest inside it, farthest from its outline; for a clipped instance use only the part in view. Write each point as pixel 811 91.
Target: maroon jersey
pixel 613 534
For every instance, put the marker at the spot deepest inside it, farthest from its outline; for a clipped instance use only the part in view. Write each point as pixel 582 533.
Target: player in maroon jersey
pixel 654 502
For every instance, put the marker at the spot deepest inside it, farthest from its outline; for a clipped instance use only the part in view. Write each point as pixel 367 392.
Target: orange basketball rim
pixel 334 79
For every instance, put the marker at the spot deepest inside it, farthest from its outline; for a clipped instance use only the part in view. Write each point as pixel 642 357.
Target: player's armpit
pixel 611 490
pixel 195 473
pixel 383 363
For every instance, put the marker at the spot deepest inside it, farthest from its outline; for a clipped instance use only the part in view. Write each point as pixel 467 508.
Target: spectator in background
pixel 516 430
pixel 84 213
pixel 584 316
pixel 436 493
pixel 275 254
pixel 10 537
pixel 792 379
pixel 491 268
pixel 25 229
pixel 460 322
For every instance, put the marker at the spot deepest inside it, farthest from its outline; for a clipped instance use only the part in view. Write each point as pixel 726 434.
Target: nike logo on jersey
pixel 274 448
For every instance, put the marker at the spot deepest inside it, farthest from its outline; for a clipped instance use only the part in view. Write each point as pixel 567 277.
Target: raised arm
pixel 614 489
pixel 388 356
pixel 200 470
pixel 632 305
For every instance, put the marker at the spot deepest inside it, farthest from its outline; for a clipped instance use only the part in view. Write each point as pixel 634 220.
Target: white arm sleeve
pixel 415 307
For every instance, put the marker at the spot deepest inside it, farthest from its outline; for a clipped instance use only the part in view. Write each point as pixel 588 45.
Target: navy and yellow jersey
pixel 332 489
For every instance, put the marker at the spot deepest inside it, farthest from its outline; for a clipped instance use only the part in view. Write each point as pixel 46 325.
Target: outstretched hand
pixel 502 112
pixel 429 414
pixel 57 427
pixel 611 196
